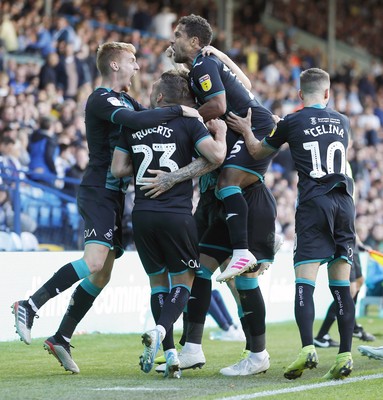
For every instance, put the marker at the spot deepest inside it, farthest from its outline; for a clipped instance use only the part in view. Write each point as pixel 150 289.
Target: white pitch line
pixel 302 388
pixel 129 389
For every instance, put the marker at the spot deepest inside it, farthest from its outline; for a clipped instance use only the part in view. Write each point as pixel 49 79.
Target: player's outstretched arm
pixel 121 164
pixel 243 126
pixel 207 50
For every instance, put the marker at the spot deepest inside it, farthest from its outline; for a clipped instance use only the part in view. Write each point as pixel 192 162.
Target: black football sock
pixel 253 307
pixel 185 322
pixel 236 218
pixel 304 311
pixel 328 321
pixel 246 330
pixel 345 315
pixel 173 306
pixel 63 279
pixel 81 302
pixel 198 307
pixel 157 300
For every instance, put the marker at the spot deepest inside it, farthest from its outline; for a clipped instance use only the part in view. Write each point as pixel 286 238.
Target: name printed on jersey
pixel 115 101
pixel 205 82
pixel 160 129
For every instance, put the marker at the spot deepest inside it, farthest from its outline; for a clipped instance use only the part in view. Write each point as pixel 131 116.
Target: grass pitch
pixel 109 370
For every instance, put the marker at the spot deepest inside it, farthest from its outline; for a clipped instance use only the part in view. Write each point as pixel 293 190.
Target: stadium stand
pixel 32 86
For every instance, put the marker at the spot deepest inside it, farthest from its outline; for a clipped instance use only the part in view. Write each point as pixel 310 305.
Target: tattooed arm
pixel 163 181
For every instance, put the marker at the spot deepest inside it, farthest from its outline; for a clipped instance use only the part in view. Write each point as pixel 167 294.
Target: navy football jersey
pixel 318 140
pixel 210 77
pixel 169 147
pixel 106 112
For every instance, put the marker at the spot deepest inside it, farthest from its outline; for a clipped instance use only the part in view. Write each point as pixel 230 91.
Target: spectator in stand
pixel 77 170
pixel 71 73
pixel 40 38
pixel 48 72
pixel 162 24
pixel 142 18
pixel 20 83
pixel 43 150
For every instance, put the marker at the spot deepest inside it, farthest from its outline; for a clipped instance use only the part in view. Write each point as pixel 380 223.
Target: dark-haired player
pixel 219 91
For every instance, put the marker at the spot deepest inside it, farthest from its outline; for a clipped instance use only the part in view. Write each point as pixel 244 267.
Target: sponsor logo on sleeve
pixel 205 82
pixel 115 101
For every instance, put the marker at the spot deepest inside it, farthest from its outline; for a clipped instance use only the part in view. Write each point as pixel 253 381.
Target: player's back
pixel 168 147
pixel 318 140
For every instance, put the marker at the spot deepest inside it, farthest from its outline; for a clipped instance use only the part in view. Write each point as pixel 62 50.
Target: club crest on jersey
pixel 313 120
pixel 114 101
pixel 205 82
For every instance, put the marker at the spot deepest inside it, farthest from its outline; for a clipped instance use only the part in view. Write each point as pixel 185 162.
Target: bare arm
pixel 163 181
pixel 214 108
pixel 121 164
pixel 243 126
pixel 214 148
pixel 229 63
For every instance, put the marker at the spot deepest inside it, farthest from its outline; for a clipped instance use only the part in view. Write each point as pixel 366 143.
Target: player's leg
pixel 356 282
pixel 262 213
pixel 93 260
pixel 80 303
pixel 230 192
pixel 339 279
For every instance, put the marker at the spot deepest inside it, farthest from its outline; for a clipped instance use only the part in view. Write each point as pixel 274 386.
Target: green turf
pixel 109 370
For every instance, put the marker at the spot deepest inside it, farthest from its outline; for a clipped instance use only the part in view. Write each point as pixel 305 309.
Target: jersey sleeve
pixel 109 107
pixel 206 78
pixel 279 136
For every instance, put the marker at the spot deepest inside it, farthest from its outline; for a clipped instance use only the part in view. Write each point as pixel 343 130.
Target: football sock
pixel 345 315
pixel 254 309
pixel 304 310
pixel 185 322
pixel 328 321
pixel 81 302
pixel 173 306
pixel 236 215
pixel 157 300
pixel 246 330
pixel 64 278
pixel 198 307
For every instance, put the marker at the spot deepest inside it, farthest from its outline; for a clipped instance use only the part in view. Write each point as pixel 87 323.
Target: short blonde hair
pixel 111 51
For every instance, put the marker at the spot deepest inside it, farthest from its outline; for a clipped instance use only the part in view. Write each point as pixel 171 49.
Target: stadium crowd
pixel 47 71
